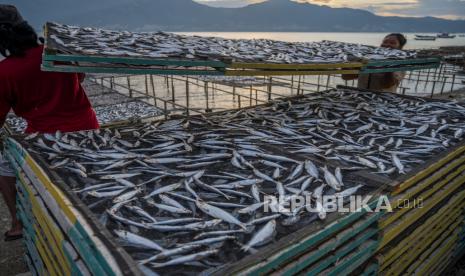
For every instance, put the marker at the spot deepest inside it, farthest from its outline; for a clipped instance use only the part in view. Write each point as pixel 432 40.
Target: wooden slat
pixel 124 70
pixel 413 216
pixel 309 66
pixel 286 73
pixel 132 61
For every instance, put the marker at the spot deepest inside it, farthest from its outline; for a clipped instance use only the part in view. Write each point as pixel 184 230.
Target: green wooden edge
pixel 357 260
pixel 402 62
pixel 343 252
pixel 88 252
pixel 323 251
pixel 371 270
pixel 132 61
pixel 25 202
pixel 106 70
pixel 81 240
pixel 287 254
pixel 23 198
pixel 29 240
pixel 74 269
pixel 398 69
pixel 33 238
pixel 36 262
pixel 460 250
pixel 29 265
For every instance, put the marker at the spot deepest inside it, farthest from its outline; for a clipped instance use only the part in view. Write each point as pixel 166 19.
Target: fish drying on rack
pixel 105 114
pixel 196 192
pixel 161 45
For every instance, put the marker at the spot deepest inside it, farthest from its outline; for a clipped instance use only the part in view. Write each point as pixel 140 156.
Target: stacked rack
pixel 340 243
pixel 58 238
pixel 425 232
pixel 75 49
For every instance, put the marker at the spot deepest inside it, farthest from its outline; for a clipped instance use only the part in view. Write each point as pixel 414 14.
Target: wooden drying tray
pixel 126 65
pixel 60 59
pixel 384 66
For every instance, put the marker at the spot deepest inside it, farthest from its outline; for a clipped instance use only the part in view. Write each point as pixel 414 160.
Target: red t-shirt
pixel 48 101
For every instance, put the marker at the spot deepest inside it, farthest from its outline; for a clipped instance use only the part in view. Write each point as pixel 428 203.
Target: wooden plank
pixel 286 73
pixel 37 242
pixel 85 227
pixel 309 66
pixel 121 70
pixel 398 69
pixel 297 247
pixel 311 257
pixel 372 244
pixel 433 166
pixel 50 258
pixel 421 243
pixel 68 226
pixel 421 264
pixel 43 221
pixel 352 264
pixel 132 61
pixel 417 213
pixel 398 213
pixel 372 269
pixel 32 251
pixel 438 219
pixel 402 62
pixel 40 212
pixel 428 182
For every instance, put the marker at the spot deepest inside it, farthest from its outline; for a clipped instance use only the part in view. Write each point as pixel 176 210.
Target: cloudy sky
pixel 451 9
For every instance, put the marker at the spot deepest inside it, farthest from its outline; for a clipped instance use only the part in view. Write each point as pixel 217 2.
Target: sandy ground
pixel 11 253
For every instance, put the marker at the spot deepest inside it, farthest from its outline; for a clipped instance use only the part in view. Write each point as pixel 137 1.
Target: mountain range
pixel 187 15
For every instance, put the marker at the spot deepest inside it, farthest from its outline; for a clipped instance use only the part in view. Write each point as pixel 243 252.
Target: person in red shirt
pixel 48 101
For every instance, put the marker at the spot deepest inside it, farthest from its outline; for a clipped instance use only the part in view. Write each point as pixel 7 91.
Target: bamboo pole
pixel 153 90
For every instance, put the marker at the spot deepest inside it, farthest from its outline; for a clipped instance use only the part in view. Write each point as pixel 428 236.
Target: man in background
pixel 386 82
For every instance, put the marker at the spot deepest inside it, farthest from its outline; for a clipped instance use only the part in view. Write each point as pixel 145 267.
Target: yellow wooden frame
pixel 385 222
pixel 449 213
pixel 246 65
pixel 393 231
pixel 287 73
pixel 424 173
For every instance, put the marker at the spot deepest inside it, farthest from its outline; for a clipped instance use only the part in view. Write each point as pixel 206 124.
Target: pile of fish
pixel 17 124
pixel 105 114
pixel 126 111
pixel 191 195
pixel 99 42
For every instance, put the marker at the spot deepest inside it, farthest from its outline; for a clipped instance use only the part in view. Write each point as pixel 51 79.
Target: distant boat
pixel 445 35
pixel 425 37
pixel 462 35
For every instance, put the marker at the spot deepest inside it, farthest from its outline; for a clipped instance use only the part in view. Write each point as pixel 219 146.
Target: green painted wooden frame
pixel 284 256
pixel 132 61
pixel 325 250
pixel 385 66
pixel 51 67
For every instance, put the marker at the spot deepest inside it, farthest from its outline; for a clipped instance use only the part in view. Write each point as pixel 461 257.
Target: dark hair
pixel 400 37
pixel 16 39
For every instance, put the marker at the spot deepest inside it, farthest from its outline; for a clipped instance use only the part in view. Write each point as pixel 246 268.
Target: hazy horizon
pixel 451 9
